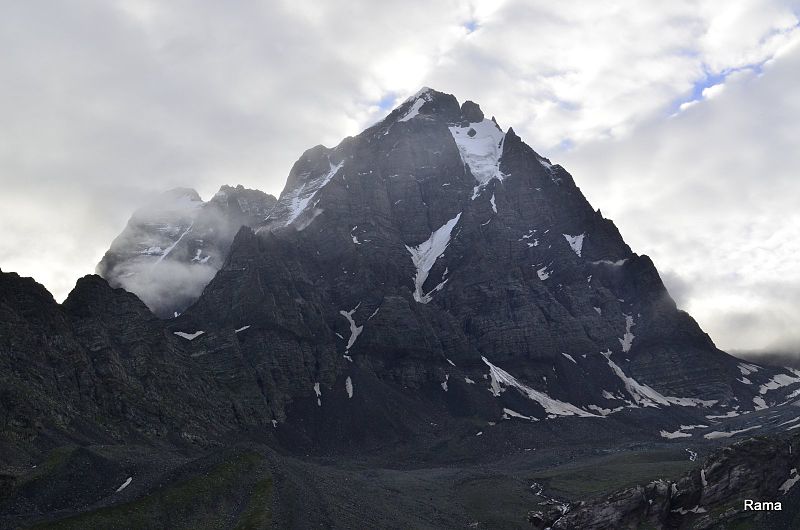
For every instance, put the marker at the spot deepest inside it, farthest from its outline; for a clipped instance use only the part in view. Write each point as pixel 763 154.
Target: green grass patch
pixel 212 498
pixel 605 474
pixel 258 513
pixel 54 460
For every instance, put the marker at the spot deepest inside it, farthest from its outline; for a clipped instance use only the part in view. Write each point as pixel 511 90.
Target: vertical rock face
pixel 435 249
pixel 171 248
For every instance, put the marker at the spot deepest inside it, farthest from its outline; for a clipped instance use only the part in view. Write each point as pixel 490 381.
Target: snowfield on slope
pixel 553 407
pixel 480 152
pixel 425 255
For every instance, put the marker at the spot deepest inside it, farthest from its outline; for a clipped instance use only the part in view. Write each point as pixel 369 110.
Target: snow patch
pixel 508 413
pixel 124 484
pixel 731 414
pixel 173 245
pixel 647 396
pixel 482 151
pixel 543 273
pixel 627 340
pixel 551 406
pixel 618 263
pixel 420 98
pixel 676 434
pixel 153 251
pixel 568 356
pixel 348 385
pixel 691 427
pixel 300 198
pixel 355 331
pixel 684 511
pixel 790 482
pixel 747 368
pixel 199 259
pixel 318 392
pixel 188 336
pixel 494 204
pixel 714 435
pixel 602 411
pixel 239 330
pixel 424 256
pixel 575 242
pixel 778 381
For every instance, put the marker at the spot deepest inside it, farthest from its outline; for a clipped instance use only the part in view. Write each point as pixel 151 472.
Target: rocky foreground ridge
pixel 711 496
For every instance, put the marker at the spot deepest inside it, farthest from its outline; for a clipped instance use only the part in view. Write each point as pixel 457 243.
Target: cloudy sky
pixel 678 119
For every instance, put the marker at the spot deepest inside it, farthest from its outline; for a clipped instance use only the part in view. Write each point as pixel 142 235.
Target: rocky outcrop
pixel 713 495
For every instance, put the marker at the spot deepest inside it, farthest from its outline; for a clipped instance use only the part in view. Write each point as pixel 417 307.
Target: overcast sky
pixel 678 119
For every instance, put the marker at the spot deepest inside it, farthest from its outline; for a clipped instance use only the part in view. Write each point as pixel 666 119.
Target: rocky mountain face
pixel 171 248
pixel 439 253
pixel 434 255
pixel 101 367
pixel 430 291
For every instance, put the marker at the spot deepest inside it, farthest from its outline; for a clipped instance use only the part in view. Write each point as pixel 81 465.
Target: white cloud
pixel 711 91
pixel 104 103
pixel 711 195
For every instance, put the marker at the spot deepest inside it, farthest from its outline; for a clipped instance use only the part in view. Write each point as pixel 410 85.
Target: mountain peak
pixel 422 91
pixel 173 246
pixel 181 193
pixel 429 103
pixel 471 112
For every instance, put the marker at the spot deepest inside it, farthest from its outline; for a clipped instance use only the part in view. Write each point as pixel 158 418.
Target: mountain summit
pixel 437 251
